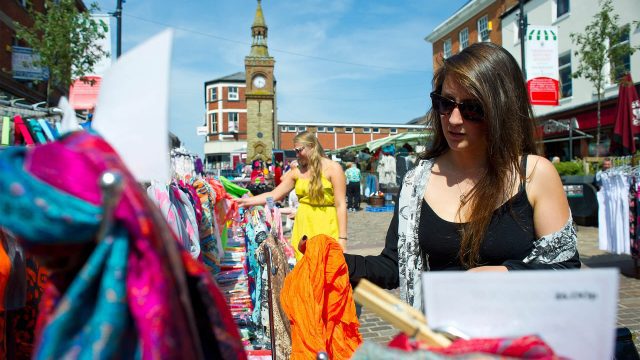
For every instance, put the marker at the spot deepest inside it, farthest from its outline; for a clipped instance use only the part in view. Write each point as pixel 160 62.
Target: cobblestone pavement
pixel 367 231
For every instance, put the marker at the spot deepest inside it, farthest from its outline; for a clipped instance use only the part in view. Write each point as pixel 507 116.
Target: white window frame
pixel 375 130
pixel 330 129
pixel 213 120
pixel 607 68
pixel 302 128
pixel 393 130
pixel 283 129
pixel 562 67
pixel 446 48
pixel 291 128
pixel 234 93
pixel 483 27
pixel 348 130
pixel 233 119
pixel 366 130
pixel 213 94
pixel 321 129
pixel 463 38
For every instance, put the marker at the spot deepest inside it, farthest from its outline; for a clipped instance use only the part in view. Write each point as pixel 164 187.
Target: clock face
pixel 259 81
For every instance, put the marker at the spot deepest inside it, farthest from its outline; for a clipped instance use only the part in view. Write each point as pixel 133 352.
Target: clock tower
pixel 260 93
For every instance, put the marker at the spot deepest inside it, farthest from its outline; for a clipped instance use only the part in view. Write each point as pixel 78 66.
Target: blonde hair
pixel 315 154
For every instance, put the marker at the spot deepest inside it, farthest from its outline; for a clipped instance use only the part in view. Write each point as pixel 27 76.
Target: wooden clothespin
pixel 397 313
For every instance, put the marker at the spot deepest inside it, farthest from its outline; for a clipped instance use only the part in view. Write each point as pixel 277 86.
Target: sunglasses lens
pixel 442 105
pixel 472 111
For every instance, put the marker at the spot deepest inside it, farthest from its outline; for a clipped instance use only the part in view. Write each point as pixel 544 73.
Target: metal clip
pixel 111 184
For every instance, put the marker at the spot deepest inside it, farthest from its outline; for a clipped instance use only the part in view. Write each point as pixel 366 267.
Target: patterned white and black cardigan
pixel 549 249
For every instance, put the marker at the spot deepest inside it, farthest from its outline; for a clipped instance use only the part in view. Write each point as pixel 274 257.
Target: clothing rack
pixel 15 107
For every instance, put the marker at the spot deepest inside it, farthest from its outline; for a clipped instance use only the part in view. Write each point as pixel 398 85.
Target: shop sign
pixel 22 64
pixel 202 130
pixel 542 65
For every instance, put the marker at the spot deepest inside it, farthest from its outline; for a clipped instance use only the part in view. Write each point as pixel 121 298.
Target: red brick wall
pixel 493 13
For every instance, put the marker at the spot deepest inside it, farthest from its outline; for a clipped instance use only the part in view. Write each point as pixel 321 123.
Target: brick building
pixel 18 11
pixel 335 136
pixel 476 21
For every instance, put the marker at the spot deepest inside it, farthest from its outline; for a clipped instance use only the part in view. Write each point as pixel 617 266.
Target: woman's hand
pixel 244 202
pixel 489 268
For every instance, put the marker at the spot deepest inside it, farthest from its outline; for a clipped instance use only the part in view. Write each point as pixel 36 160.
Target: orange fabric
pixel 318 300
pixel 5 271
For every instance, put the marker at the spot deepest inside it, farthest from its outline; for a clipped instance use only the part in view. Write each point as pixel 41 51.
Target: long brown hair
pixel 315 154
pixel 492 76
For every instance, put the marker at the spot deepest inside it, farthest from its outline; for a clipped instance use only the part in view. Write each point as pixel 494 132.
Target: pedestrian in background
pixel 353 186
pixel 320 186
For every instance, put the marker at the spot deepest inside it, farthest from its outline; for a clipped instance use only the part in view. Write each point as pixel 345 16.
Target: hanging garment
pixel 5 270
pixel 314 219
pixel 210 243
pixel 613 213
pixel 137 282
pixel 6 131
pixel 46 129
pixel 22 135
pixel 36 131
pixel 402 347
pixel 280 269
pixel 318 301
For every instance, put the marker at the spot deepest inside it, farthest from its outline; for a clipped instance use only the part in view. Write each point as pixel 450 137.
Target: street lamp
pixel 118 16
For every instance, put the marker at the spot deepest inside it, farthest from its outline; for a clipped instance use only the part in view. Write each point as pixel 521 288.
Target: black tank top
pixel 510 234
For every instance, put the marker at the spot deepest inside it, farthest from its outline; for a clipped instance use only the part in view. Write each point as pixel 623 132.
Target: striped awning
pixel 539 34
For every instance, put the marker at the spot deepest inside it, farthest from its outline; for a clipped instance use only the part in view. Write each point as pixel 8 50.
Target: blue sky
pixel 336 60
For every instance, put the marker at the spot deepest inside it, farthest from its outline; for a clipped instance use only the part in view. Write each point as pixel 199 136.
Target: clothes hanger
pixel 399 314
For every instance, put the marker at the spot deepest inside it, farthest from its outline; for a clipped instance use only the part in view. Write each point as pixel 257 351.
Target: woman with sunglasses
pixel 480 199
pixel 320 186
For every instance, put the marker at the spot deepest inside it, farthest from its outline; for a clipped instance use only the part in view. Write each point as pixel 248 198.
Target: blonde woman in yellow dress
pixel 320 185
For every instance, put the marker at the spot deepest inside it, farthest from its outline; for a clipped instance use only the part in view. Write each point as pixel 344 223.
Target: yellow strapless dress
pixel 314 219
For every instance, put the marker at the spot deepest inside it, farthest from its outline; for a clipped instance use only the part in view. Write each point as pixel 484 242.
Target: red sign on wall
pixel 543 91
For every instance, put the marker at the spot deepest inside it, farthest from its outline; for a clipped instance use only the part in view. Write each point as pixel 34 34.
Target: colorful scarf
pixel 137 294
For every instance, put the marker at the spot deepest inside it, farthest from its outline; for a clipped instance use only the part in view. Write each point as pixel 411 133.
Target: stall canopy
pixel 406 137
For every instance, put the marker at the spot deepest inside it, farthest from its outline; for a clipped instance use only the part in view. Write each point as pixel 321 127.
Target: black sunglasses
pixel 470 110
pixel 298 150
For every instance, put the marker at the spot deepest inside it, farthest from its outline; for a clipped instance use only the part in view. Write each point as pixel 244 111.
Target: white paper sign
pixel 132 110
pixel 574 311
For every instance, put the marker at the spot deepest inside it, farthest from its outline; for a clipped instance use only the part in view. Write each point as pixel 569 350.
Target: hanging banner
pixel 542 65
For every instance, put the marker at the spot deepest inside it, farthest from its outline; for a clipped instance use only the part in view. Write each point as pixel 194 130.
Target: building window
pixel 234 126
pixel 463 38
pixel 393 130
pixel 330 129
pixel 366 130
pixel 564 67
pixel 483 29
pixel 213 94
pixel 447 48
pixel 213 120
pixel 291 129
pixel 233 93
pixel 302 128
pixel 348 130
pixel 321 129
pixel 562 7
pixel 376 130
pixel 283 129
pixel 621 64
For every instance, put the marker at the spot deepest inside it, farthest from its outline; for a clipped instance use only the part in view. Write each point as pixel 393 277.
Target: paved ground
pixel 367 231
